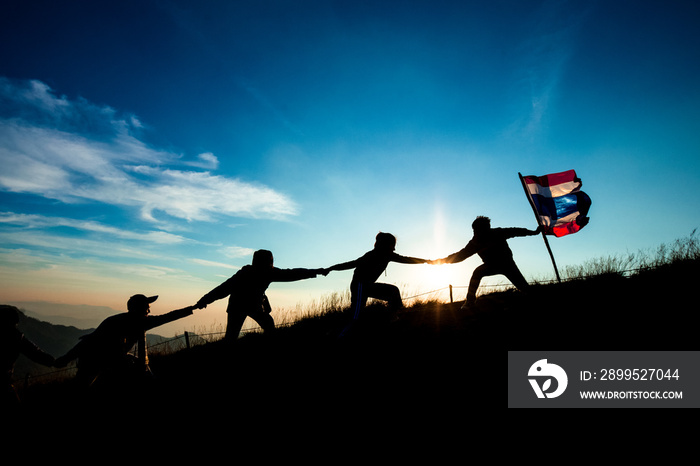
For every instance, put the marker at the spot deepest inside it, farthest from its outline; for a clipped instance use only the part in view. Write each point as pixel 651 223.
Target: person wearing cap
pixel 246 289
pixel 105 351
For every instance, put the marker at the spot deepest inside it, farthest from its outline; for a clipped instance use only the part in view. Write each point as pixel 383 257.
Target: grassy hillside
pixel 435 356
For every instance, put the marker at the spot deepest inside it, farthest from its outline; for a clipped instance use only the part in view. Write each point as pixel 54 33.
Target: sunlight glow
pixel 427 278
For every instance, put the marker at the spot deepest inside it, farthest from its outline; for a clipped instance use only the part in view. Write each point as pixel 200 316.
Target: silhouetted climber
pixel 491 245
pixel 246 289
pixel 368 268
pixel 103 355
pixel 12 344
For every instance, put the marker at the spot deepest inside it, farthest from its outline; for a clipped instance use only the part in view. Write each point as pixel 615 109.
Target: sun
pixel 429 281
pixel 439 276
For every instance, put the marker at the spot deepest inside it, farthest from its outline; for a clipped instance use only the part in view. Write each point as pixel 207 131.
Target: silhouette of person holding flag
pixel 491 245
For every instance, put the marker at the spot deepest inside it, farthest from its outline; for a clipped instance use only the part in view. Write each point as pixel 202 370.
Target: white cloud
pixel 197 195
pixel 74 151
pixel 206 161
pixel 42 222
pixel 214 264
pixel 37 240
pixel 235 252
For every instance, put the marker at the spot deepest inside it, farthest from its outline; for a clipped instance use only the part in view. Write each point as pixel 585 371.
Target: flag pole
pixel 537 217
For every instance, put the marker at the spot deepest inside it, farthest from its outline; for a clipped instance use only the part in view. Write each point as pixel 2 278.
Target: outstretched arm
pixel 458 256
pixel 69 356
pixel 217 293
pixel 292 275
pixel 516 232
pixel 342 266
pixel 156 321
pixel 36 354
pixel 407 260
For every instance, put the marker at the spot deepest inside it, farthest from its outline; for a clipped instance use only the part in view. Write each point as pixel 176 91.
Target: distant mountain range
pixel 71 315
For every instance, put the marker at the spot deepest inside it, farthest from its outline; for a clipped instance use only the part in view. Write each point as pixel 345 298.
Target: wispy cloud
pixel 74 151
pixel 31 221
pixel 544 60
pixel 27 267
pixel 235 252
pixel 207 263
pixel 206 161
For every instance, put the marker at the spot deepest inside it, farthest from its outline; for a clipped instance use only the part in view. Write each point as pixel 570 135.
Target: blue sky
pixel 150 146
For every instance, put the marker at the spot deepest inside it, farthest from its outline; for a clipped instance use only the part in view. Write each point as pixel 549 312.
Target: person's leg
pixel 362 291
pixel 388 293
pixel 264 319
pixel 358 299
pixel 513 274
pixel 234 323
pixel 480 272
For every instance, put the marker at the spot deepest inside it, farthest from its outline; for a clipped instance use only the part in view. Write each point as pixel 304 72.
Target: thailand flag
pixel 559 203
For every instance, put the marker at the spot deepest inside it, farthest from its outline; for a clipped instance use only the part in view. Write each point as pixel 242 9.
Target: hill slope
pixel 435 356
